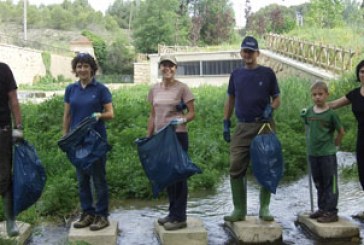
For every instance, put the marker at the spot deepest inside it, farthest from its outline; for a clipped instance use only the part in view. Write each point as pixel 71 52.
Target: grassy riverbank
pixel 126 178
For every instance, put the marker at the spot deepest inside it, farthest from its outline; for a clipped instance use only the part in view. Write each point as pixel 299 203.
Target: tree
pixel 325 13
pixel 122 12
pixel 157 22
pixel 247 12
pixel 119 58
pixel 353 13
pixel 272 18
pixel 217 20
pixel 99 46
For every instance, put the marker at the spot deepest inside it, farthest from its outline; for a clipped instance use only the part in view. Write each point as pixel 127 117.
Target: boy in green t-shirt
pixel 321 124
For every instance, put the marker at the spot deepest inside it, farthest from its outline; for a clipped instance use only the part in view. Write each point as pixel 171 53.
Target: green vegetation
pixel 188 23
pixel 208 150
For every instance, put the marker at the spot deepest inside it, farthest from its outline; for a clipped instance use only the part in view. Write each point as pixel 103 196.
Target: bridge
pixel 287 56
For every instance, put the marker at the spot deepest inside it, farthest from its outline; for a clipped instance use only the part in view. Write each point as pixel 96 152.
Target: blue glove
pixel 178 121
pixel 226 133
pixel 181 106
pixel 267 113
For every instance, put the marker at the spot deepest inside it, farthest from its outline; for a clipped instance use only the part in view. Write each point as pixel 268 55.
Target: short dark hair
pixel 87 59
pixel 358 67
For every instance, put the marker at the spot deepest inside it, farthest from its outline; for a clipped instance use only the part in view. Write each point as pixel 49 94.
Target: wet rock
pixel 107 235
pixel 24 233
pixel 342 229
pixel 194 234
pixel 254 230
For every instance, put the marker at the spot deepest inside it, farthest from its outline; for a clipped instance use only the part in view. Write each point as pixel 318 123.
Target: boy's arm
pixel 339 136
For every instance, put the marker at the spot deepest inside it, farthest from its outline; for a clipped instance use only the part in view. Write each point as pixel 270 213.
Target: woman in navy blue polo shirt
pixel 82 99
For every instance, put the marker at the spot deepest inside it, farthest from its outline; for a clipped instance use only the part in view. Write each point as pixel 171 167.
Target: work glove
pixel 17 135
pixel 178 121
pixel 267 113
pixel 226 133
pixel 303 112
pixel 96 115
pixel 303 115
pixel 181 106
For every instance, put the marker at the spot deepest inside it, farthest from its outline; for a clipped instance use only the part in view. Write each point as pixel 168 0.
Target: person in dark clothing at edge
pixel 355 97
pixel 253 91
pixel 9 109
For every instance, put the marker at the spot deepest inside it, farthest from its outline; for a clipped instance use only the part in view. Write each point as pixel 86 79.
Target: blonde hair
pixel 318 84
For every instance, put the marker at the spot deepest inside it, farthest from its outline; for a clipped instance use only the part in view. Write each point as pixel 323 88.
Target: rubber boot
pixel 11 226
pixel 238 191
pixel 264 198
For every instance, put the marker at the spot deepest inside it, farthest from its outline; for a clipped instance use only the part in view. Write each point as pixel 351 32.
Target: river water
pixel 135 218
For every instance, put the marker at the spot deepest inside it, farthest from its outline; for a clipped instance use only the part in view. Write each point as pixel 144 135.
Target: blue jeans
pixel 177 192
pixel 97 174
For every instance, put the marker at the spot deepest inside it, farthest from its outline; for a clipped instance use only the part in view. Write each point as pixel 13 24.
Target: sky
pixel 238 5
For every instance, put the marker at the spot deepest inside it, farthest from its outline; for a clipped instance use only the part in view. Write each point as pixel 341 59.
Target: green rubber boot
pixel 238 191
pixel 11 226
pixel 264 198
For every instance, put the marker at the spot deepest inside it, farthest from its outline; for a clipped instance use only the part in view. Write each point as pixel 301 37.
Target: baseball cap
pixel 170 58
pixel 250 43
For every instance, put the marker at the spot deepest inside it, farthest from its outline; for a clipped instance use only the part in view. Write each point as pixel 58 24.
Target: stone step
pixel 342 229
pixel 107 235
pixel 24 233
pixel 254 230
pixel 194 234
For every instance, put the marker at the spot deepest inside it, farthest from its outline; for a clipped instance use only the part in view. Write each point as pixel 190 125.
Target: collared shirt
pixel 85 101
pixel 253 90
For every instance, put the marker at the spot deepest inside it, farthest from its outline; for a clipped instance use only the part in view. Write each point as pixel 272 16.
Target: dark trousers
pixel 360 155
pixel 324 174
pixel 98 176
pixel 177 192
pixel 5 160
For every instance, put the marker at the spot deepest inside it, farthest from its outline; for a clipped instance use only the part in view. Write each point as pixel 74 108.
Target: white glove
pixel 96 115
pixel 178 121
pixel 17 135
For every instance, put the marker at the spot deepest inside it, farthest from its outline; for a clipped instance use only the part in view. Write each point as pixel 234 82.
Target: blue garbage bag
pixel 29 177
pixel 163 159
pixel 267 159
pixel 84 145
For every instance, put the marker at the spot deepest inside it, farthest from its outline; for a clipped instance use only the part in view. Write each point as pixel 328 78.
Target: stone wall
pixel 27 64
pixel 141 73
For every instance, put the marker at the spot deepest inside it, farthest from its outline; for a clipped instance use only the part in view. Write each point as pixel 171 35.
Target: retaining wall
pixel 27 64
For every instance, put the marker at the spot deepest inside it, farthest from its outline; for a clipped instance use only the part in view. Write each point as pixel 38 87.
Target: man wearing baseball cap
pixel 253 92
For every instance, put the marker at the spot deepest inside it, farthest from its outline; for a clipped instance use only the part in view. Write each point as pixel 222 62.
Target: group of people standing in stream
pixel 253 93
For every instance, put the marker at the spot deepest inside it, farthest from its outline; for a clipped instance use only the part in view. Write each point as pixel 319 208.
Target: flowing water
pixel 136 218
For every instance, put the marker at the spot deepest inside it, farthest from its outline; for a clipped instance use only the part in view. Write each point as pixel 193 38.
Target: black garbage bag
pixel 84 145
pixel 29 177
pixel 267 159
pixel 163 159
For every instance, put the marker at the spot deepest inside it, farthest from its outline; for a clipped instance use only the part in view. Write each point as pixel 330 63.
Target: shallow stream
pixel 135 218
